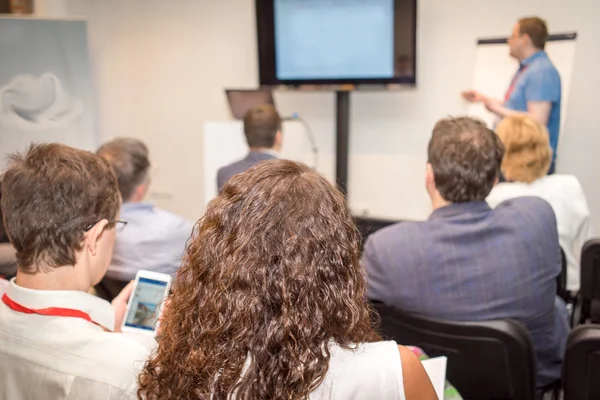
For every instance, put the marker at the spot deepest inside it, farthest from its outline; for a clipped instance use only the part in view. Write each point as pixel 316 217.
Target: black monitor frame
pixel 265 28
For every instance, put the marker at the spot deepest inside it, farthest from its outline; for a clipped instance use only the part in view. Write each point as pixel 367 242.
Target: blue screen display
pixel 334 39
pixel 146 303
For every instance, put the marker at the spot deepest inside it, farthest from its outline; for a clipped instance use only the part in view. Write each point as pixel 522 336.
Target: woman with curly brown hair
pixel 270 302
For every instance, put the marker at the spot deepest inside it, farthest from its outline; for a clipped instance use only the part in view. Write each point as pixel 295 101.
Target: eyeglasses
pixel 119 225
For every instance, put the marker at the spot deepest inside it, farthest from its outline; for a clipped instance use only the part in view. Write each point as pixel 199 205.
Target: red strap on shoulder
pixel 50 311
pixel 513 83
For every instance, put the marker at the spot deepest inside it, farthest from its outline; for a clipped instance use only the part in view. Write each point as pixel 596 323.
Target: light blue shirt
pixel 153 240
pixel 538 80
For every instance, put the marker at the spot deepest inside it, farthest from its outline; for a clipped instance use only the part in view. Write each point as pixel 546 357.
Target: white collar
pixel 272 152
pixel 100 311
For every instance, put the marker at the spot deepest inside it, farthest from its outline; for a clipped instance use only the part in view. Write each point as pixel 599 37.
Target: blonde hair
pixel 528 153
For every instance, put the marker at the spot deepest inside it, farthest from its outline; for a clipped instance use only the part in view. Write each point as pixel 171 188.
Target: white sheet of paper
pixel 436 369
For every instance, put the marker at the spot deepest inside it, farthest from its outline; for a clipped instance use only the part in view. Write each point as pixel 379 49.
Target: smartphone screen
pixel 145 304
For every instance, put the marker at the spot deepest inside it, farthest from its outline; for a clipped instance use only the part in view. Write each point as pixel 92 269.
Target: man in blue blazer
pixel 262 127
pixel 468 262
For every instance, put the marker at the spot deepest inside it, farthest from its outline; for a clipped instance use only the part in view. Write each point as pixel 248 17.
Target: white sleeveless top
pixel 369 371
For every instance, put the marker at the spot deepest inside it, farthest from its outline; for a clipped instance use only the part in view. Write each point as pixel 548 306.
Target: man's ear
pixel 140 192
pixel 429 175
pixel 93 235
pixel 142 189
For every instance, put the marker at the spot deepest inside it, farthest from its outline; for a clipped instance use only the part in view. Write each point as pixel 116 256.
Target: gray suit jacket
pixel 254 157
pixel 469 262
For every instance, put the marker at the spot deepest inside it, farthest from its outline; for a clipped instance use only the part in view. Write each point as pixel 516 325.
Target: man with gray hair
pixel 154 239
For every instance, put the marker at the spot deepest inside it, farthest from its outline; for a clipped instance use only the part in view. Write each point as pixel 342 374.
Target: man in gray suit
pixel 262 127
pixel 469 262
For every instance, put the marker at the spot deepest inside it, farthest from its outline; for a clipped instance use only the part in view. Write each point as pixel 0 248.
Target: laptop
pixel 242 100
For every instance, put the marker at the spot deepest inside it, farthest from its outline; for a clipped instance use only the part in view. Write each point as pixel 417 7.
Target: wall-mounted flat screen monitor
pixel 336 41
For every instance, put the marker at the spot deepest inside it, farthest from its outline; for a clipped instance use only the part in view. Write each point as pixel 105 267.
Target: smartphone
pixel 144 306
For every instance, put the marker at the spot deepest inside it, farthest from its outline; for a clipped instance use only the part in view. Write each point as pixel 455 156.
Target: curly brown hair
pixel 270 277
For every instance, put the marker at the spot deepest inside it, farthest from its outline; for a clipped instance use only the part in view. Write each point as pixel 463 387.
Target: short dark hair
pixel 465 157
pixel 50 196
pixel 3 237
pixel 261 124
pixel 536 29
pixel 130 161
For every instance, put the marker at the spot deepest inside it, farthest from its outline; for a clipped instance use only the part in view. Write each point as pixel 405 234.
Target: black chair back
pixel 367 226
pixel 486 360
pixel 561 280
pixel 589 292
pixel 108 289
pixel 581 366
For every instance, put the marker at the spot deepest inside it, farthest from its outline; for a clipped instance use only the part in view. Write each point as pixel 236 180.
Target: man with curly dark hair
pixel 469 262
pixel 270 302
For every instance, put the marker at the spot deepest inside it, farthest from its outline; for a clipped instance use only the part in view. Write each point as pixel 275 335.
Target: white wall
pixel 160 68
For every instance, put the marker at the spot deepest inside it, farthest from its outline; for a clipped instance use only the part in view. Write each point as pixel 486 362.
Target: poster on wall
pixel 46 92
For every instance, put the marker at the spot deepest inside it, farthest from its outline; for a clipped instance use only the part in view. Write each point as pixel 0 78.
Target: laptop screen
pixel 241 101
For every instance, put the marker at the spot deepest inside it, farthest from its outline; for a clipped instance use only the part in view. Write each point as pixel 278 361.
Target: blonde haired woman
pixel 525 165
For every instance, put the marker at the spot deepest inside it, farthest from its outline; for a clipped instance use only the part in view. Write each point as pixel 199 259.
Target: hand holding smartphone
pixel 146 301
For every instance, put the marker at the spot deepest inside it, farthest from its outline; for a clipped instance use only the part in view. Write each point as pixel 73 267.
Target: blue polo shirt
pixel 538 80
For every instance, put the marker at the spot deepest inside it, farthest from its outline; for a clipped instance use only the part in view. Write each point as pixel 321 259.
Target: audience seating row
pixel 587 304
pixel 495 359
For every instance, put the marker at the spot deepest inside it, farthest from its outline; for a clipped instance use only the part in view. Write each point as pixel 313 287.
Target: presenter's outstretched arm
pixel 537 110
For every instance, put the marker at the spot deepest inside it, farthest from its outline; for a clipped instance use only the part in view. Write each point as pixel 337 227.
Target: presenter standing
pixel 535 90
